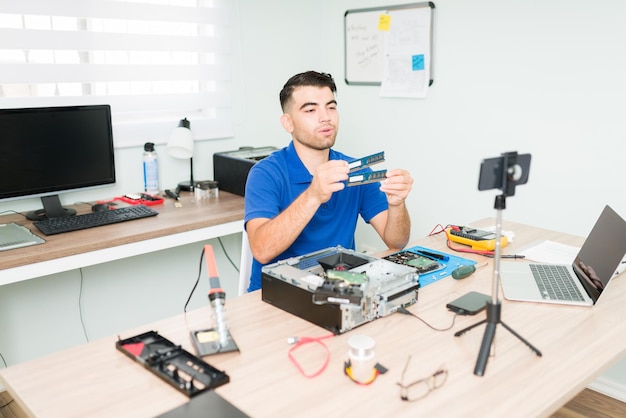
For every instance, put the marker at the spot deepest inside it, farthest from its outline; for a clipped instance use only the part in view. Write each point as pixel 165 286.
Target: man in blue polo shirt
pixel 296 201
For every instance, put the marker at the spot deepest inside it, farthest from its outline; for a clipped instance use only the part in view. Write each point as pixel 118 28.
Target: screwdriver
pixel 465 271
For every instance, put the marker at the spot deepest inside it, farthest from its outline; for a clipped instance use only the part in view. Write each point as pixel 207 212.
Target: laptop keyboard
pixel 555 282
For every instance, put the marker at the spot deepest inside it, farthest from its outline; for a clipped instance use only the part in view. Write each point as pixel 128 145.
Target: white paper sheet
pixel 551 252
pixel 406 69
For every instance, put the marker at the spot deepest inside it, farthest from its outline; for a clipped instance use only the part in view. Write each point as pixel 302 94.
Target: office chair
pixel 245 264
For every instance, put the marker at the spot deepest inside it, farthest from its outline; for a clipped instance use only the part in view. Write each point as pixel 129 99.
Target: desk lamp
pixel 180 146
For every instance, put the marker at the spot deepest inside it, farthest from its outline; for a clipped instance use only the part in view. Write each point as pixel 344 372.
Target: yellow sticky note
pixel 384 21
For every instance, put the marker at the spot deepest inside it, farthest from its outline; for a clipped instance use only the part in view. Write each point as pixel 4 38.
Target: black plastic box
pixel 230 168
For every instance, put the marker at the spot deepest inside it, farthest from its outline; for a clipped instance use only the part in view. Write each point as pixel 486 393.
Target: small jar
pixel 361 355
pixel 205 189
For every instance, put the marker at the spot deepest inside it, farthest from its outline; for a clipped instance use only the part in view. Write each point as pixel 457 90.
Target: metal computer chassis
pixel 339 289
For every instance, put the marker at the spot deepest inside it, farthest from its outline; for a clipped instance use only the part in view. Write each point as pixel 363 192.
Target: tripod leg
pixel 522 339
pixel 493 319
pixel 464 330
pixel 485 348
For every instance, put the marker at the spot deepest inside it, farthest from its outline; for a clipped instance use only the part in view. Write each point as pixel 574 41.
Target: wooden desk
pixel 578 343
pixel 193 222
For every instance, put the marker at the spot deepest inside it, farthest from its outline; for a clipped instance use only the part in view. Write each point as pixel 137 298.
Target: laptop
pixel 206 404
pixel 13 235
pixel 593 268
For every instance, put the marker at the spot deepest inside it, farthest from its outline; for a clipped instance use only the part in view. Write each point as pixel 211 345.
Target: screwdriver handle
pixel 463 272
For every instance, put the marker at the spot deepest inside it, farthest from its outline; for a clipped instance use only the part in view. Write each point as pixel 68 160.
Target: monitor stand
pixel 51 209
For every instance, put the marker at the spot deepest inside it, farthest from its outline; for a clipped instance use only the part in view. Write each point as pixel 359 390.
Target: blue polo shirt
pixel 277 180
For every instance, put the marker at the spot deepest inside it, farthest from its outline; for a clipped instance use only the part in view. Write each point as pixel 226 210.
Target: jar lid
pixel 206 184
pixel 361 347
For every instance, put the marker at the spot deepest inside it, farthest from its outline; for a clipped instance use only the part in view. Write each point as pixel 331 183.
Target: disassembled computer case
pixel 339 289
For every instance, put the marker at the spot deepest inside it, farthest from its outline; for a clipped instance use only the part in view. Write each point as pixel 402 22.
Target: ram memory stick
pixel 360 163
pixel 367 177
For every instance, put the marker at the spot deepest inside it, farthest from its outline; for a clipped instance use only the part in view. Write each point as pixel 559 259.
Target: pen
pixel 434 255
pixel 171 194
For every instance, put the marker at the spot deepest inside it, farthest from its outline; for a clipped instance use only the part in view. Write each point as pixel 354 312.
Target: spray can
pixel 150 169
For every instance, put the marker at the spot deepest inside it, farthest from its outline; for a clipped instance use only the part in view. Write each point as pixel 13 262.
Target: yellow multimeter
pixel 475 238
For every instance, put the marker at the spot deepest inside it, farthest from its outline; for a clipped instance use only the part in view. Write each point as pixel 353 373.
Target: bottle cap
pixel 148 146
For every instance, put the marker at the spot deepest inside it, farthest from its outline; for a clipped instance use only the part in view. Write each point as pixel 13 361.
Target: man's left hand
pixel 397 186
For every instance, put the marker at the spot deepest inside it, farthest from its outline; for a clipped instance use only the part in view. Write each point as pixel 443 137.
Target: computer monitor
pixel 45 151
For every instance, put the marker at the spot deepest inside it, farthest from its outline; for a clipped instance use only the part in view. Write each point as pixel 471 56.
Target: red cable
pixel 300 341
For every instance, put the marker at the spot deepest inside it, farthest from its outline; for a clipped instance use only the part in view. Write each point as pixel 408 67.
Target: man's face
pixel 312 117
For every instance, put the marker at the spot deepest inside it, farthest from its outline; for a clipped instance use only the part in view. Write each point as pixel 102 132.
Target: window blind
pixel 154 61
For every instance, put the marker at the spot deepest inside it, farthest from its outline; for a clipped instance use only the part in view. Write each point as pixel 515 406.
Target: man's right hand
pixel 328 178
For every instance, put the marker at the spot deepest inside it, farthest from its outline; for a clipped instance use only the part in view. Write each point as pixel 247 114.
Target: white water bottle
pixel 150 169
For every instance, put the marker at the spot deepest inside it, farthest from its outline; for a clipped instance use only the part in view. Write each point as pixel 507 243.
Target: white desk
pixel 195 221
pixel 578 343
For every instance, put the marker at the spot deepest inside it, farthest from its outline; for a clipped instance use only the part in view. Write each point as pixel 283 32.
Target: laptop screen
pixel 602 252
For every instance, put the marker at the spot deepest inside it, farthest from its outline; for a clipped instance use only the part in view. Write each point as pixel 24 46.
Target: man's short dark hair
pixel 309 78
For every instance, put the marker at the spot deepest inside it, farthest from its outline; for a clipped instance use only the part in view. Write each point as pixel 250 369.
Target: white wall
pixel 539 77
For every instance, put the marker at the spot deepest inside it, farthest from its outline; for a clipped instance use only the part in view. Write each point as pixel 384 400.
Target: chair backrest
pixel 245 264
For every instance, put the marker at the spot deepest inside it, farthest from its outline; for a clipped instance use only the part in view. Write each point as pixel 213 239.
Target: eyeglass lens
pixel 421 388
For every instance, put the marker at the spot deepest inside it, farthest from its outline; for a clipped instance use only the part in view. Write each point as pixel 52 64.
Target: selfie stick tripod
pixel 494 307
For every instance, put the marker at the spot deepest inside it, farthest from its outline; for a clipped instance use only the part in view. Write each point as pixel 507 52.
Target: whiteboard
pixel 365 43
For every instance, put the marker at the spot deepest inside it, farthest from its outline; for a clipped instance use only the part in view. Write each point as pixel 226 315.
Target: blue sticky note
pixel 417 62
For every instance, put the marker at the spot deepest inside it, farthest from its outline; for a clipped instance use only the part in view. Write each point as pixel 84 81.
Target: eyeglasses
pixel 419 389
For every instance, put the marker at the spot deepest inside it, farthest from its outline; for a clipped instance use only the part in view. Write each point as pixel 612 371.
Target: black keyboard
pixel 54 226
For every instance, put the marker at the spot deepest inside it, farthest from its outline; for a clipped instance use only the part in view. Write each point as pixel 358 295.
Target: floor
pixel 588 403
